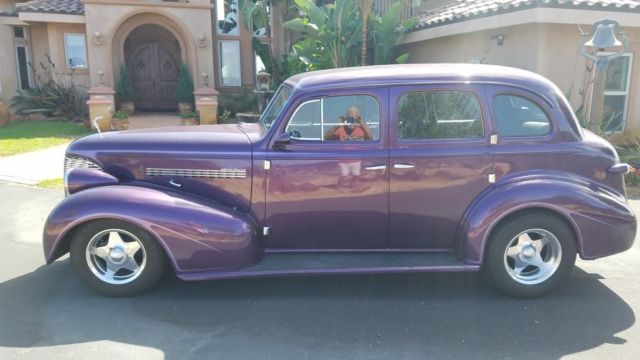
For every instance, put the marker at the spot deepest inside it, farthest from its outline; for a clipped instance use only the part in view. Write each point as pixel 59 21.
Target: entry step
pixel 283 263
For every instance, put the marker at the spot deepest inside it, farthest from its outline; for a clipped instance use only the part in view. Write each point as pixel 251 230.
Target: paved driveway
pixel 45 313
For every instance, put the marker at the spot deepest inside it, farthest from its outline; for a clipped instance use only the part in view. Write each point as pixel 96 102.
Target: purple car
pixel 403 168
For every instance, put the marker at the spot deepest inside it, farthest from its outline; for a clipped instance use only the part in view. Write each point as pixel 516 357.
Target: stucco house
pixel 150 37
pixel 541 36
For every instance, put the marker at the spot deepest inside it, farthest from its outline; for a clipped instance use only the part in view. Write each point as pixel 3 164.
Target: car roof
pixel 418 73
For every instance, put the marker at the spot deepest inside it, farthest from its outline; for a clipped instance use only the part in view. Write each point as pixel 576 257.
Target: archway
pixel 152 55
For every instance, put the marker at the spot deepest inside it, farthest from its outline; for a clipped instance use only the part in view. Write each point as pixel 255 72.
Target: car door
pixel 329 194
pixel 441 160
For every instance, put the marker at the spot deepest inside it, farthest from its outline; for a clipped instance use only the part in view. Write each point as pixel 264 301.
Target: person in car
pixel 352 127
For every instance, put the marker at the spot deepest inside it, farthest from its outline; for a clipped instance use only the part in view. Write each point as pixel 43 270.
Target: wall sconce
pixel 205 79
pixel 202 40
pixel 97 38
pixel 499 39
pixel 100 74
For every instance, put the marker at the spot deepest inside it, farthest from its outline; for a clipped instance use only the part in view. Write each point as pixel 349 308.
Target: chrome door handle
pixel 376 167
pixel 403 166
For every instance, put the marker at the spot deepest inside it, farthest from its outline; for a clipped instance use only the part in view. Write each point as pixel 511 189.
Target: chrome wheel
pixel 116 256
pixel 533 256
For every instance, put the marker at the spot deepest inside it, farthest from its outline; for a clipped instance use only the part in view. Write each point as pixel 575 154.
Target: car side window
pixel 439 114
pixel 518 116
pixel 336 118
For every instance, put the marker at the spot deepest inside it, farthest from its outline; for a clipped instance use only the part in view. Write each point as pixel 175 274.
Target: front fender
pixel 601 220
pixel 196 234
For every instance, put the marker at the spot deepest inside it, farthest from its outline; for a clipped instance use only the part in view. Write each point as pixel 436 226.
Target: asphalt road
pixel 45 313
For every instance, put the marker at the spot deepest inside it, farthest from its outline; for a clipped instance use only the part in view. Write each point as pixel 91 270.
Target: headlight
pixel 73 162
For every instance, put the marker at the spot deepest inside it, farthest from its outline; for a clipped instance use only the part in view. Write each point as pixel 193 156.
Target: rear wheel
pixel 530 254
pixel 116 258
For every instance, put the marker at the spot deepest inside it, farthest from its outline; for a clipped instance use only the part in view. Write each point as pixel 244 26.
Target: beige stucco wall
pixel 548 49
pixel 115 19
pixel 8 72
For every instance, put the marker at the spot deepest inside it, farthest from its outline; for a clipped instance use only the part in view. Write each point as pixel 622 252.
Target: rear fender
pixel 196 234
pixel 600 218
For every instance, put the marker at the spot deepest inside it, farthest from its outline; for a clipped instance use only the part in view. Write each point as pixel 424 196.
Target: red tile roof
pixel 462 10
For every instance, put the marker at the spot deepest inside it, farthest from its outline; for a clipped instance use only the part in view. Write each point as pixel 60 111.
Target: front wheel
pixel 530 254
pixel 116 258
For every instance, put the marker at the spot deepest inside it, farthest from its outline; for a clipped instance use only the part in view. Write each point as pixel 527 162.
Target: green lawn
pixel 52 183
pixel 27 136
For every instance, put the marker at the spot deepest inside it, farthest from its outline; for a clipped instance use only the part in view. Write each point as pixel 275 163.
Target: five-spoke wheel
pixel 528 255
pixel 116 257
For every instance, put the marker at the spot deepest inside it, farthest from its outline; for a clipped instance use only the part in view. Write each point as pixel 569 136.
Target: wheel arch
pixel 195 234
pixel 592 211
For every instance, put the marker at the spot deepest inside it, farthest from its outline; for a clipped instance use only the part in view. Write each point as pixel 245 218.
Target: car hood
pixel 161 141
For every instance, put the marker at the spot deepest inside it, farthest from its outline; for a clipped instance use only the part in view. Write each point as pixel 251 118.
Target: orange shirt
pixel 341 134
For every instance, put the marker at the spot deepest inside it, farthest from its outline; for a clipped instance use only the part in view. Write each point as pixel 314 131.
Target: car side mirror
pixel 282 141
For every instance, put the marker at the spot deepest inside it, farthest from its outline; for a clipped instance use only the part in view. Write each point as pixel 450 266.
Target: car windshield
pixel 275 106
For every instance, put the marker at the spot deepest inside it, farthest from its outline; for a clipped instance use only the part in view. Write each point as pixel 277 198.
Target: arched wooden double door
pixel 155 76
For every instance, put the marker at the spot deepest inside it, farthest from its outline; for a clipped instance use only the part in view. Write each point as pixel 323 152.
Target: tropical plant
pixel 327 40
pixel 124 91
pixel 121 115
pixel 54 94
pixel 184 90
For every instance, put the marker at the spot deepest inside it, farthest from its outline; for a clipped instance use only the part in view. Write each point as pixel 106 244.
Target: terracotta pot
pixel 119 124
pixel 128 106
pixel 184 108
pixel 190 121
pixel 5 116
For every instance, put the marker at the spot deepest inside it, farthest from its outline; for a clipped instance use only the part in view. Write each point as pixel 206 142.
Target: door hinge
pixel 266 230
pixel 493 139
pixel 267 164
pixel 492 178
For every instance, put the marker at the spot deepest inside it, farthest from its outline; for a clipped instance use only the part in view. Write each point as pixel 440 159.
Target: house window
pixel 75 51
pixel 22 59
pixel 616 93
pixel 230 74
pixel 19 33
pixel 227 17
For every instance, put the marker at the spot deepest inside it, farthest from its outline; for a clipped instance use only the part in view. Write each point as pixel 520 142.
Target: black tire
pixel 524 284
pixel 89 268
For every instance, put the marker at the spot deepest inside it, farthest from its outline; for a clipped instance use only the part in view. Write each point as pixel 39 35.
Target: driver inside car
pixel 351 127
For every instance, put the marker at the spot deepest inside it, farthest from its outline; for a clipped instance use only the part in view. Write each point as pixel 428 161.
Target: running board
pixel 275 264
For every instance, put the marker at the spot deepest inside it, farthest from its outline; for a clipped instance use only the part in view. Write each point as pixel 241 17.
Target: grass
pixel 51 183
pixel 25 136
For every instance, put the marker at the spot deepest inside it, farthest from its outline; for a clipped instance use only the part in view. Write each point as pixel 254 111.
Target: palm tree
pixel 366 6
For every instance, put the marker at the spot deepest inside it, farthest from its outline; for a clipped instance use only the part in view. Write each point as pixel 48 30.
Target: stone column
pixel 100 112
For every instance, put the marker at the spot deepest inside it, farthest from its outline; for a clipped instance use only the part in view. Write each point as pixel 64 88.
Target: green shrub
pixel 123 86
pixel 121 114
pixel 184 91
pixel 189 115
pixel 54 94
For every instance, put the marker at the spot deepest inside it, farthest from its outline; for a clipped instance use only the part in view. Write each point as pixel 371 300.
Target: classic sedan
pixel 400 168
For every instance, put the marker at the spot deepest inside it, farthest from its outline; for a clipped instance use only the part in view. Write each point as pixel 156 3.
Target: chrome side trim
pixel 225 173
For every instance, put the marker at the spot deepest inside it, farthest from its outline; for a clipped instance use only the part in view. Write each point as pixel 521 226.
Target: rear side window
pixel 424 115
pixel 336 118
pixel 517 116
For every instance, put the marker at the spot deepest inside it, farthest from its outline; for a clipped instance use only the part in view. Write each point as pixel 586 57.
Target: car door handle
pixel 176 184
pixel 403 166
pixel 376 167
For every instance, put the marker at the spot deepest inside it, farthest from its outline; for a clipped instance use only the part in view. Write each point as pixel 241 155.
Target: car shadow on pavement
pixel 434 315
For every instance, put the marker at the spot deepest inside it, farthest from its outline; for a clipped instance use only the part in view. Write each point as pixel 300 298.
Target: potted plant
pixel 184 90
pixel 120 120
pixel 124 90
pixel 190 118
